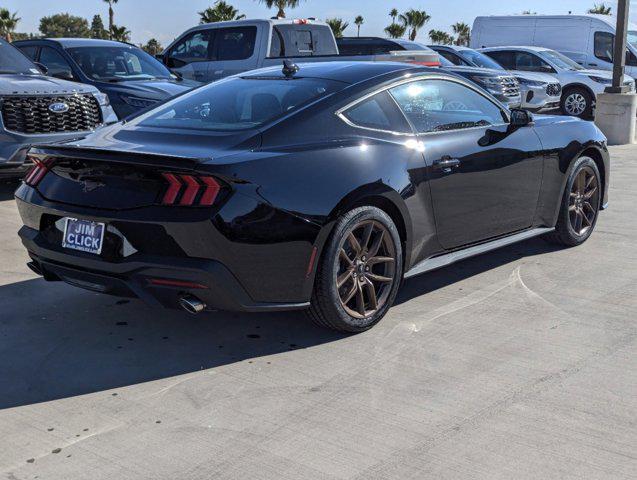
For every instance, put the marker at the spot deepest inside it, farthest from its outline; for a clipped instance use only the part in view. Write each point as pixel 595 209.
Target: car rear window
pixel 302 40
pixel 238 103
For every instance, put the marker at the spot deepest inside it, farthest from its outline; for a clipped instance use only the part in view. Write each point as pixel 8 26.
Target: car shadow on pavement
pixel 57 341
pixel 7 188
pixel 431 281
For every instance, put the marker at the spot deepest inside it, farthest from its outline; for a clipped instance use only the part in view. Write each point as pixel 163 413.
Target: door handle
pixel 447 164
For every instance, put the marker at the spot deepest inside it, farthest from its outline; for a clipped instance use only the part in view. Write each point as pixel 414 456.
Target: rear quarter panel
pixel 565 139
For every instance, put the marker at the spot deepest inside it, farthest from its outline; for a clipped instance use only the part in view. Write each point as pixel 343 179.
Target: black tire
pixel 577 102
pixel 566 230
pixel 327 309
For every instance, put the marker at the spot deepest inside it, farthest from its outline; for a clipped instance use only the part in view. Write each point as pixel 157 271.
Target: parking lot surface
pixel 517 364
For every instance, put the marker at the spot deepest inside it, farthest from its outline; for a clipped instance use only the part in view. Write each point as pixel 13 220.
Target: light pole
pixel 619 54
pixel 616 108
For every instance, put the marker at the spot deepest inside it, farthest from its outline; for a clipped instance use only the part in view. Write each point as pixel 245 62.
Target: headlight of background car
pixel 605 81
pixel 138 102
pixel 531 83
pixel 102 99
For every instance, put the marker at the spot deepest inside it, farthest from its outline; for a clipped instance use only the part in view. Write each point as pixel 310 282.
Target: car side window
pixel 604 48
pixel 56 63
pixel 442 105
pixel 504 58
pixel 530 62
pixel 235 43
pixel 30 51
pixel 452 57
pixel 193 48
pixel 378 112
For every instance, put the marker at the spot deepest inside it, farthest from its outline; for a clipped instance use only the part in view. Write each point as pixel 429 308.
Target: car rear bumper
pixel 239 263
pixel 156 281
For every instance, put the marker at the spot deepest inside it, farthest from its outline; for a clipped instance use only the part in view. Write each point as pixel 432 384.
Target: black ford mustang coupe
pixel 317 188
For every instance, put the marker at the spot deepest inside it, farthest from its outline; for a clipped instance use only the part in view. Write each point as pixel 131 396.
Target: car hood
pixel 534 76
pixel 154 89
pixel 16 84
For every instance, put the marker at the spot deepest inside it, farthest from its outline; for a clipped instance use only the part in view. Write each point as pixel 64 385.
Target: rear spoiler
pixel 417 57
pixel 139 158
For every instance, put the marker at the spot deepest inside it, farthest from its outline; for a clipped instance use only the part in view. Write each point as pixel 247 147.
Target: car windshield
pixel 480 59
pixel 13 60
pixel 561 61
pixel 118 63
pixel 632 37
pixel 238 103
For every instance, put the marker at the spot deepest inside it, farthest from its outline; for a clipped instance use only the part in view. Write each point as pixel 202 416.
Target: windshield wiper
pixel 9 71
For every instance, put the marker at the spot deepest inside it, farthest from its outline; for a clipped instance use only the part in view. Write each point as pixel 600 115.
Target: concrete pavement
pixel 517 364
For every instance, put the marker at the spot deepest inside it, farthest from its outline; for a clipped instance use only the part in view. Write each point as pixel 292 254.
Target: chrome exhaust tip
pixel 192 304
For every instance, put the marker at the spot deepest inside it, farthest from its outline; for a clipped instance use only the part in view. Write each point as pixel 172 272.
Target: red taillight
pixel 37 173
pixel 166 282
pixel 426 64
pixel 190 190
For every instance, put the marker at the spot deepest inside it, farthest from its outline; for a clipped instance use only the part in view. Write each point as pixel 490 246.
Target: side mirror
pixel 42 68
pixel 63 74
pixel 520 118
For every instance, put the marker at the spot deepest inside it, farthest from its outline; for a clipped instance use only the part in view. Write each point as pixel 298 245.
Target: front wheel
pixel 580 204
pixel 577 102
pixel 359 272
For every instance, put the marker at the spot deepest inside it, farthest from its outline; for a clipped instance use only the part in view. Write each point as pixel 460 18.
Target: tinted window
pixel 506 59
pixel 480 59
pixel 304 40
pixel 55 62
pixel 530 62
pixel 117 63
pixel 13 61
pixel 29 51
pixel 439 105
pixel 452 57
pixel 234 43
pixel 238 103
pixel 605 46
pixel 192 48
pixel 378 112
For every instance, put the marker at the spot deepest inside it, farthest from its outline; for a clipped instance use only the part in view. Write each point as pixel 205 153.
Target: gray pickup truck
pixel 209 52
pixel 36 109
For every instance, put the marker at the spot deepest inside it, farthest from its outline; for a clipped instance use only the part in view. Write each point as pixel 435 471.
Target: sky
pixel 166 19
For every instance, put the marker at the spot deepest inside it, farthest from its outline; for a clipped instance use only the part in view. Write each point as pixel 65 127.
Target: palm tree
pixel 281 5
pixel 601 9
pixel 395 30
pixel 358 21
pixel 463 33
pixel 153 47
pixel 440 38
pixel 221 12
pixel 414 20
pixel 120 34
pixel 393 14
pixel 8 22
pixel 338 25
pixel 111 16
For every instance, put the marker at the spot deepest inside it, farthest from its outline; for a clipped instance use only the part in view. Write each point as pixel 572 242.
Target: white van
pixel 587 39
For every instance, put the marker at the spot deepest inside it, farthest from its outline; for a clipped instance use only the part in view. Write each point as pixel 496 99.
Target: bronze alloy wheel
pixel 367 267
pixel 583 201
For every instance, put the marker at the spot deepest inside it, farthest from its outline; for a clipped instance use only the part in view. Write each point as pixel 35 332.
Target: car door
pixel 484 174
pixel 57 65
pixel 191 55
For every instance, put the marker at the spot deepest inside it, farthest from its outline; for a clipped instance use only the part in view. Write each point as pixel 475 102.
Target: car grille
pixel 510 86
pixel 553 89
pixel 32 115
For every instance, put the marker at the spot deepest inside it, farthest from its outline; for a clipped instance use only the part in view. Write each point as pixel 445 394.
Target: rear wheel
pixel 359 272
pixel 580 205
pixel 577 102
